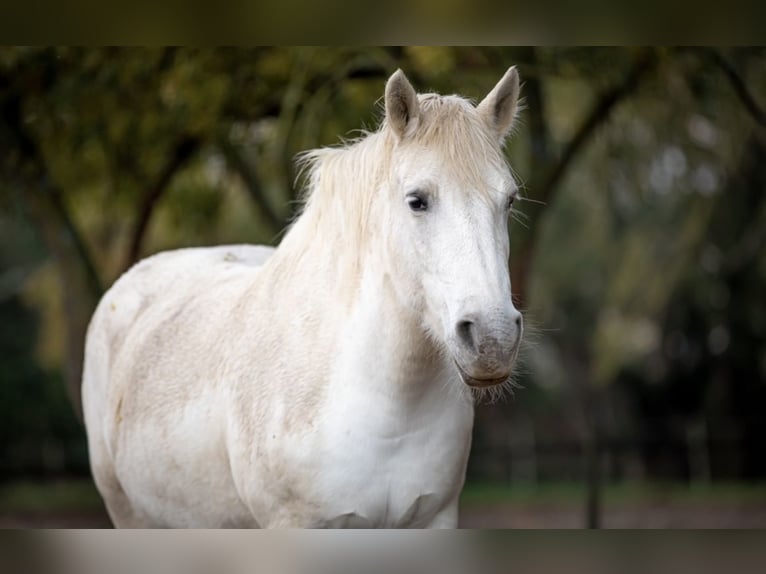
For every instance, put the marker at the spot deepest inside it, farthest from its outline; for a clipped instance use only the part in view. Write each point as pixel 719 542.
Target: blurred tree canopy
pixel 638 252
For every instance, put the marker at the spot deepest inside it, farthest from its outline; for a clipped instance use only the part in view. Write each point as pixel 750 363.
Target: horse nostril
pixel 465 334
pixel 518 322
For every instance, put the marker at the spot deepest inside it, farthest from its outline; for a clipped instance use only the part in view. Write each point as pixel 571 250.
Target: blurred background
pixel 637 254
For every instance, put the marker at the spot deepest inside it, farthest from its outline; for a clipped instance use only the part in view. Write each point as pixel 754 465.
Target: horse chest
pixel 399 484
pixel 390 476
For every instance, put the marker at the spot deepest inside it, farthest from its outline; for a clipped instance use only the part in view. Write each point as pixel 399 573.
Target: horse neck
pixel 351 296
pixel 391 359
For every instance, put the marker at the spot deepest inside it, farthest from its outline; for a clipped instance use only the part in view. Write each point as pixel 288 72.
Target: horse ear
pixel 402 107
pixel 500 106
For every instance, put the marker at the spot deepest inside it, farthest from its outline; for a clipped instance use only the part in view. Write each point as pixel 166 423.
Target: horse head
pixel 450 191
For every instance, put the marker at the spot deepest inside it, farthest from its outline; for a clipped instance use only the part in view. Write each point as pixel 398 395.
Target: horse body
pixel 318 385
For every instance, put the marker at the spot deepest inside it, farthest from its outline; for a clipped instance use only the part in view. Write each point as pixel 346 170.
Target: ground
pixel 75 504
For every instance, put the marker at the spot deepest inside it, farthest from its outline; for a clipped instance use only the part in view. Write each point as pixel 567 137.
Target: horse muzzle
pixel 486 351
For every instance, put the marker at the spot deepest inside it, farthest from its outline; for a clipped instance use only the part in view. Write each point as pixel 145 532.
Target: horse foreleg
pixel 445 518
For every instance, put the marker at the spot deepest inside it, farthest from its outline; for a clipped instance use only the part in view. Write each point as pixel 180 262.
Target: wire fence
pixel 675 450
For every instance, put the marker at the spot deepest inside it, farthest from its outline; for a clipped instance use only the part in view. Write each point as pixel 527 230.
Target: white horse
pixel 326 383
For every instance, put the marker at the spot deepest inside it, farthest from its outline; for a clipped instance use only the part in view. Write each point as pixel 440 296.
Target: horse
pixel 330 382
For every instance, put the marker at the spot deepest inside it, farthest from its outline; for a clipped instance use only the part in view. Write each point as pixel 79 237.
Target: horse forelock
pixel 453 128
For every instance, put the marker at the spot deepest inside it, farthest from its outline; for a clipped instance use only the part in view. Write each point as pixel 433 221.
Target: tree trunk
pixel 79 285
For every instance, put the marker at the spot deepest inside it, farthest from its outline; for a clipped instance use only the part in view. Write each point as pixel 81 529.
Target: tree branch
pixel 739 85
pixel 541 160
pixel 644 63
pixel 184 149
pixel 30 173
pixel 535 103
pixel 252 182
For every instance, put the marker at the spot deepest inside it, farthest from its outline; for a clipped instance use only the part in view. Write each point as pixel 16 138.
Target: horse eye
pixel 417 202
